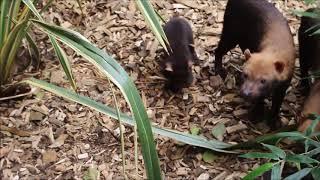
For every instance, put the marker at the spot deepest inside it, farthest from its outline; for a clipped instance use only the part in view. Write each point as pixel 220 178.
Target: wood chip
pixel 236 128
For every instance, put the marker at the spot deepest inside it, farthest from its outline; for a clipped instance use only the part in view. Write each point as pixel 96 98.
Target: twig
pixel 32 91
pixel 121 132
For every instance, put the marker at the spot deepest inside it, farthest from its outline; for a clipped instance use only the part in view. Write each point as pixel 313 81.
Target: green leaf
pixel 258 171
pixel 299 175
pixel 310 31
pixel 276 172
pixel 109 67
pixel 33 50
pixel 5 6
pixel 218 131
pixel 152 19
pixel 195 130
pixel 9 49
pixel 16 9
pixel 313 125
pixel 260 155
pixel 278 136
pixel 316 32
pixel 310 143
pixel 299 158
pixel 316 173
pixel 179 136
pixel 58 50
pixel 309 1
pixel 313 152
pixel 209 157
pixel 275 150
pixel 92 173
pixel 306 14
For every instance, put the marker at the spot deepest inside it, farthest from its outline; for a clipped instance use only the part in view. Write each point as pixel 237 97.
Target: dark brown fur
pixel 177 67
pixel 309 50
pixel 264 36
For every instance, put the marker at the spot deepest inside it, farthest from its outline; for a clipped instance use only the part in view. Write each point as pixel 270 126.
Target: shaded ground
pixel 66 139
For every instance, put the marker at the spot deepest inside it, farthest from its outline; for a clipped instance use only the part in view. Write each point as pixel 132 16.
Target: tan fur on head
pixel 277 54
pixel 266 66
pixel 247 54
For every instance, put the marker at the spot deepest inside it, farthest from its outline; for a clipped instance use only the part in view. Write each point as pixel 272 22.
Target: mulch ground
pixel 46 137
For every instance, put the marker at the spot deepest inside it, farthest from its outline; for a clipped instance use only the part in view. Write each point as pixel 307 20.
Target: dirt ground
pixel 58 139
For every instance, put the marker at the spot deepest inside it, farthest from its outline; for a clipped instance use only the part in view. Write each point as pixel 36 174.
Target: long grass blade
pixel 16 9
pixel 151 18
pixel 58 50
pixel 120 78
pixel 175 135
pixel 9 47
pixel 10 16
pixel 33 50
pixel 13 50
pixel 121 131
pixel 4 11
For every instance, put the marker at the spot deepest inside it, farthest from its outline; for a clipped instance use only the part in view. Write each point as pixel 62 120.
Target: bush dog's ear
pixel 247 54
pixel 169 67
pixel 279 66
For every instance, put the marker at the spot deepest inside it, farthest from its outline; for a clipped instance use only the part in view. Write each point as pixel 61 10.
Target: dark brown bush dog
pixel 177 66
pixel 264 36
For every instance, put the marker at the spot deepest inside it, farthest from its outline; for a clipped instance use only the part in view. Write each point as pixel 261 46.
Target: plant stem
pixel 121 132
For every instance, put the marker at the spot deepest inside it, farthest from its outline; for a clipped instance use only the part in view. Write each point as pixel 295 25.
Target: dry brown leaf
pixel 15 131
pixel 49 156
pixel 4 151
pixel 59 141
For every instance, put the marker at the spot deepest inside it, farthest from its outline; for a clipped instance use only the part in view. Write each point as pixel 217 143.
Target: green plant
pixel 118 76
pixel 14 27
pixel 316 29
pixel 305 162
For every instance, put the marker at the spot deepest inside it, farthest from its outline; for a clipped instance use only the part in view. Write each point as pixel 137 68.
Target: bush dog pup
pixel 309 49
pixel 177 66
pixel 311 106
pixel 264 36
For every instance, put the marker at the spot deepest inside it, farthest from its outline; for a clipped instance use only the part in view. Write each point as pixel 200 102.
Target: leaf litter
pixel 52 138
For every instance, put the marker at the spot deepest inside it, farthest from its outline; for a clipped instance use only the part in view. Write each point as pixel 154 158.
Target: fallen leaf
pixel 204 176
pixel 218 131
pixel 92 173
pixel 4 151
pixel 83 156
pixel 36 116
pixel 59 141
pixel 209 157
pixel 194 130
pixel 15 131
pixel 236 128
pixel 49 156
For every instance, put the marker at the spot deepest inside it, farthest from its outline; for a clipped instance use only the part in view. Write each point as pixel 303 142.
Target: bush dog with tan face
pixel 311 107
pixel 177 66
pixel 309 49
pixel 264 36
